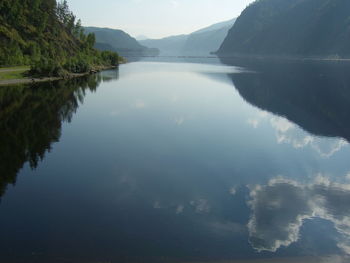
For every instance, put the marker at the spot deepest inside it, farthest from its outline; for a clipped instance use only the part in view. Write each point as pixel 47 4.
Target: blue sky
pixel 156 18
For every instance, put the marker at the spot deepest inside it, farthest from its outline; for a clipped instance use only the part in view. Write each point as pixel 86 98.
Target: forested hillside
pixel 46 35
pixel 304 28
pixel 119 41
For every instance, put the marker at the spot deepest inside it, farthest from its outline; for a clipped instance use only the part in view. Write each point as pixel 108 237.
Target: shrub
pixel 47 67
pixel 110 58
pixel 77 64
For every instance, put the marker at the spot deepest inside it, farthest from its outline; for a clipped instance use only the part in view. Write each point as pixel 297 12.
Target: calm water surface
pixel 184 161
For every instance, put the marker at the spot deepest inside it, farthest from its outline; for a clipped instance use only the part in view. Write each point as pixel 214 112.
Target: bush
pixel 110 58
pixel 77 64
pixel 47 67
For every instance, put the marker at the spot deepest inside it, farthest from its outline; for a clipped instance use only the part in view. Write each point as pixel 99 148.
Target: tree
pixel 90 40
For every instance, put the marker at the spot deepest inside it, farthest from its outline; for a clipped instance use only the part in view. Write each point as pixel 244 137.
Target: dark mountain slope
pixel 119 41
pixel 319 28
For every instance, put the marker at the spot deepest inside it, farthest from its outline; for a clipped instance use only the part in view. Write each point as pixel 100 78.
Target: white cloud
pixel 253 122
pixel 263 114
pixel 281 124
pixel 278 212
pixel 287 132
pixel 201 206
pixel 280 207
pixel 328 147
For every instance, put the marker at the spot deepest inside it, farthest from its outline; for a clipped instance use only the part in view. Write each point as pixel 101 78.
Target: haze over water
pixel 179 161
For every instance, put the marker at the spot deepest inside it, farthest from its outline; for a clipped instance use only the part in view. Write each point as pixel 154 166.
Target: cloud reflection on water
pixel 280 208
pixel 289 133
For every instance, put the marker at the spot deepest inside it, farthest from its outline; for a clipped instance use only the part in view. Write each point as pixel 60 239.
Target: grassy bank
pixel 21 75
pixel 13 73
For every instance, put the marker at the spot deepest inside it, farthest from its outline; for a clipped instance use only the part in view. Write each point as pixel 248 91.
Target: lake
pixel 179 160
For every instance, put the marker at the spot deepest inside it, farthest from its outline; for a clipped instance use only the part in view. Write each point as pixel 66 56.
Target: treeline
pixel 47 36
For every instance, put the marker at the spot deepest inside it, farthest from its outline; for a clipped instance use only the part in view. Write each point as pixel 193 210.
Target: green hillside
pixel 303 28
pixel 46 35
pixel 118 41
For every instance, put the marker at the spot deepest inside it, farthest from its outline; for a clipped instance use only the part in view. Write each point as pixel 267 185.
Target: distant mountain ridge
pixel 168 45
pixel 119 41
pixel 220 25
pixel 200 42
pixel 304 28
pixel 208 39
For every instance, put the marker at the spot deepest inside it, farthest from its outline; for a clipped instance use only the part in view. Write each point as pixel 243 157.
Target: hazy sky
pixel 156 18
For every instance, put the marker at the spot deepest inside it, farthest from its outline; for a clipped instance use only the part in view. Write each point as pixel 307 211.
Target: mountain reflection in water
pixel 314 95
pixel 168 165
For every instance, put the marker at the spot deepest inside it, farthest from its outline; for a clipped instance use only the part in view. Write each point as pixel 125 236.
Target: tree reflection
pixel 31 120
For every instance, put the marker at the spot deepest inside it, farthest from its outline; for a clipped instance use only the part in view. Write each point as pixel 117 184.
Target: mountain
pixel 167 46
pixel 119 41
pixel 200 42
pixel 46 35
pixel 28 31
pixel 208 39
pixel 220 25
pixel 302 28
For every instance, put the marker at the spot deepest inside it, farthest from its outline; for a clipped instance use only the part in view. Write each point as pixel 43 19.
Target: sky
pixel 156 18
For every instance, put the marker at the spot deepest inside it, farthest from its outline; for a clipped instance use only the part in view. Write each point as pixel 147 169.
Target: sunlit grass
pixel 13 72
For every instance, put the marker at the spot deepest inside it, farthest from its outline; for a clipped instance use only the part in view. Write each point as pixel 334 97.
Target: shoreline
pixel 286 58
pixel 33 80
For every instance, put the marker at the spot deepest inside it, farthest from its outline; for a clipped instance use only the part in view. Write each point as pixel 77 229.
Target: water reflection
pixel 31 120
pixel 314 95
pixel 280 208
pixel 289 133
pixel 156 171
